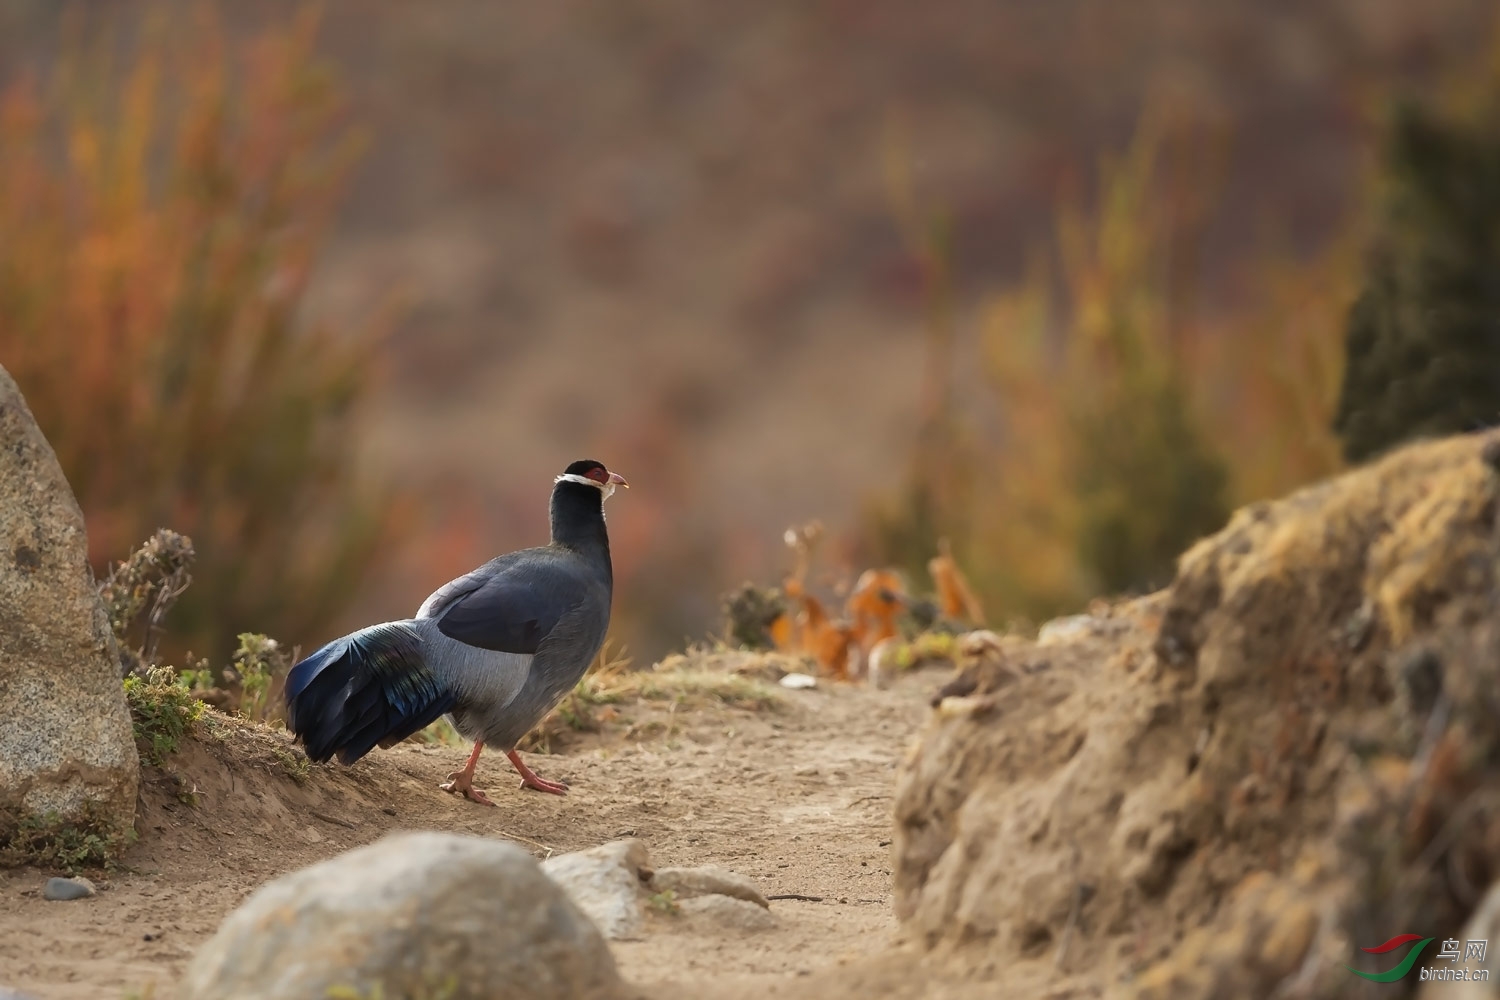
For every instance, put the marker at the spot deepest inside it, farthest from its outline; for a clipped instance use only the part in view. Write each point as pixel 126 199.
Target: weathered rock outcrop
pixel 411 915
pixel 65 736
pixel 1228 788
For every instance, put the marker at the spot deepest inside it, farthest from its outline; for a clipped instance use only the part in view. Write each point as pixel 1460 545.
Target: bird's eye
pixel 598 475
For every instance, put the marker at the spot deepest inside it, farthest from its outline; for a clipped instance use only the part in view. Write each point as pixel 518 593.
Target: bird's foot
pixel 463 781
pixel 543 785
pixel 530 779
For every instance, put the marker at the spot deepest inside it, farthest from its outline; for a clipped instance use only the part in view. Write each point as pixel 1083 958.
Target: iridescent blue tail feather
pixel 369 688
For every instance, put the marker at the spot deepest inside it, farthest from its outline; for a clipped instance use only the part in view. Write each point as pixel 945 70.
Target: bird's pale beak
pixel 615 479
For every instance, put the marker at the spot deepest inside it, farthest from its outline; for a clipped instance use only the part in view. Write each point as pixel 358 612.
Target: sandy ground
pixel 798 797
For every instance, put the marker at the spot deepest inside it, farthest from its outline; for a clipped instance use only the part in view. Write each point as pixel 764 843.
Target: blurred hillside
pixel 661 235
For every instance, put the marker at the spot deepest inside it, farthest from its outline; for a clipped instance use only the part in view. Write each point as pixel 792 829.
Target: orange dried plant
pixel 956 599
pixel 806 627
pixel 874 605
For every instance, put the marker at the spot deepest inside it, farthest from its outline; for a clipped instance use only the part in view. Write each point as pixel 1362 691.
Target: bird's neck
pixel 578 520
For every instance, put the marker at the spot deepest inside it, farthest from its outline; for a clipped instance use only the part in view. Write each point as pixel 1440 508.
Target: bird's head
pixel 587 472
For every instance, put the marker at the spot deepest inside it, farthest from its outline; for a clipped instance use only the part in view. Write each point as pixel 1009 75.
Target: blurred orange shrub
pixel 1105 472
pixel 158 225
pixel 1137 420
pixel 1132 420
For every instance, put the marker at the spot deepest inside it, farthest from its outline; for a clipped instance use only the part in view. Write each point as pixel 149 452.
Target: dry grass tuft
pixel 73 845
pixel 688 687
pixel 697 679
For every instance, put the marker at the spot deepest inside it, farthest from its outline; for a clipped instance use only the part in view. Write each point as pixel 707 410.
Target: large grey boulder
pixel 412 915
pixel 65 738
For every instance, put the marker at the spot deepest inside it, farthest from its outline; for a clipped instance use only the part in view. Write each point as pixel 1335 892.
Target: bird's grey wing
pixel 452 591
pixel 564 656
pixel 513 609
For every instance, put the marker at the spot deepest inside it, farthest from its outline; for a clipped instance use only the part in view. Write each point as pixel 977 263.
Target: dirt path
pixel 797 797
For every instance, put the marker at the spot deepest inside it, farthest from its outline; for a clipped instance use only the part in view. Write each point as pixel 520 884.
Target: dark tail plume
pixel 370 687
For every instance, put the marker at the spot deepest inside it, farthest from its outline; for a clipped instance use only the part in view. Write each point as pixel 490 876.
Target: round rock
pixel 413 915
pixel 63 889
pixel 727 913
pixel 605 882
pixel 708 880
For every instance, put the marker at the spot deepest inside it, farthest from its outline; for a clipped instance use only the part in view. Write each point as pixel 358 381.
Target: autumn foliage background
pixel 337 290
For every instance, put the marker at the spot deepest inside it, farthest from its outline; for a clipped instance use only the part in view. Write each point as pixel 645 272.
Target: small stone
pixel 707 880
pixel 606 883
pixel 727 913
pixel 63 889
pixel 798 681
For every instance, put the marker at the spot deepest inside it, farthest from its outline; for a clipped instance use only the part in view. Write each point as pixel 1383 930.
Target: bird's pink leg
pixel 530 779
pixel 463 781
